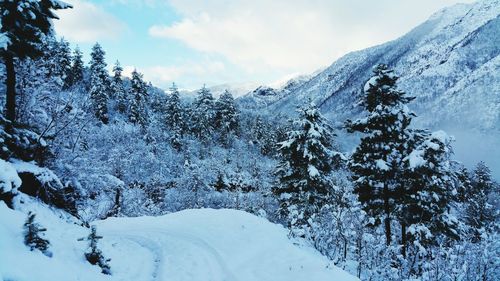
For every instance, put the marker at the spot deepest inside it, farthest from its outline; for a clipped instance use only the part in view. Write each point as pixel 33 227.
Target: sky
pixel 212 42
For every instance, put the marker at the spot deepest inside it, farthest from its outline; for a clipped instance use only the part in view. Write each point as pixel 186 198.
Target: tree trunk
pixel 387 215
pixel 10 104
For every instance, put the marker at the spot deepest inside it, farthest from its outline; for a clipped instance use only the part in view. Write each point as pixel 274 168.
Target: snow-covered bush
pixel 94 255
pixel 33 236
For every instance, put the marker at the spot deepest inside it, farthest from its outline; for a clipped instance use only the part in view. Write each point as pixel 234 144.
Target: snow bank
pixel 9 180
pixel 193 245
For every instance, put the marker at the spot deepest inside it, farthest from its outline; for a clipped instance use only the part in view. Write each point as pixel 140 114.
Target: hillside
pixel 451 63
pixel 202 244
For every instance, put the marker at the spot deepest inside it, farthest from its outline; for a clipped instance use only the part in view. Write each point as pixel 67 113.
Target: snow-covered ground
pixel 203 244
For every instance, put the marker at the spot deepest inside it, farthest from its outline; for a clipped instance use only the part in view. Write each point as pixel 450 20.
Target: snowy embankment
pixel 201 244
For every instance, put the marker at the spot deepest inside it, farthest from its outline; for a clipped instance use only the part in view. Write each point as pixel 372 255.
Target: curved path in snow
pixel 178 255
pixel 210 245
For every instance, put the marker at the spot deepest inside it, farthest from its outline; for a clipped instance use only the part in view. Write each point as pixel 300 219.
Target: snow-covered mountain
pixel 203 244
pixel 236 89
pixel 451 63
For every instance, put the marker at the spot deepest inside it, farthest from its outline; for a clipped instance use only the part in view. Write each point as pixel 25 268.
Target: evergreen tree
pixel 94 254
pixel 138 93
pixel 226 115
pixel 174 117
pixel 203 114
pixel 306 161
pixel 55 62
pixel 464 184
pixel 64 61
pixel 33 233
pixel 376 162
pixel 99 83
pixel 221 183
pixel 25 23
pixel 263 135
pixel 481 212
pixel 118 89
pixel 76 73
pixel 428 191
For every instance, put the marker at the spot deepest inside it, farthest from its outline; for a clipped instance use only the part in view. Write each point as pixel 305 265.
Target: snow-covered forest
pixel 104 176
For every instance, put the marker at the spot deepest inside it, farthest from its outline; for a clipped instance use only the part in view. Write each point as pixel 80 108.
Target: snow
pixel 44 175
pixel 9 180
pixel 202 244
pixel 416 159
pixel 369 83
pixel 441 136
pixel 313 172
pixel 4 41
pixel 382 165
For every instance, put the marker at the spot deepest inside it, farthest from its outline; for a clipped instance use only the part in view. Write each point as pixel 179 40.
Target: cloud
pixel 87 23
pixel 291 36
pixel 187 74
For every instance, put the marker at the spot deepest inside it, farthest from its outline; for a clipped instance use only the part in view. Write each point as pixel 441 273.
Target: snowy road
pixel 176 254
pixel 191 245
pixel 214 245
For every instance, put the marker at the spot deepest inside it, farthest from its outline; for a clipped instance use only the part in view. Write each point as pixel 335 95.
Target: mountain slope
pixel 203 244
pixel 451 63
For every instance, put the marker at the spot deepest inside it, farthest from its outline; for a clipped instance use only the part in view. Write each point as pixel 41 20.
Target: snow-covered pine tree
pixel 64 61
pixel 428 191
pixel 99 83
pixel 377 161
pixel 464 184
pixel 175 117
pixel 306 161
pixel 76 73
pixel 118 89
pixel 226 116
pixel 262 134
pixel 220 183
pixel 56 62
pixel 25 23
pixel 138 94
pixel 49 64
pixel 202 115
pixel 481 212
pixel 94 254
pixel 33 233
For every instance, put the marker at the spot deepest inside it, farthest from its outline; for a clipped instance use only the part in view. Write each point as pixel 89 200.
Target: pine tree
pixel 174 117
pixel 138 92
pixel 33 233
pixel 202 115
pixel 263 134
pixel 221 182
pixel 76 73
pixel 118 89
pixel 94 254
pixel 56 62
pixel 376 162
pixel 464 184
pixel 99 84
pixel 25 23
pixel 226 115
pixel 481 213
pixel 428 190
pixel 306 161
pixel 64 61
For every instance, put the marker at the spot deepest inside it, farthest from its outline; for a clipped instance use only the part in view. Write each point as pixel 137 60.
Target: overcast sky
pixel 232 41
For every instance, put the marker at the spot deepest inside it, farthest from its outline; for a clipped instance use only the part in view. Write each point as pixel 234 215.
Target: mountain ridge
pixel 450 63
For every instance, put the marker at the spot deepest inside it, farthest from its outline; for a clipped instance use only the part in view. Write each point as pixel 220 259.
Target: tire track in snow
pixel 203 252
pixel 154 247
pixel 203 246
